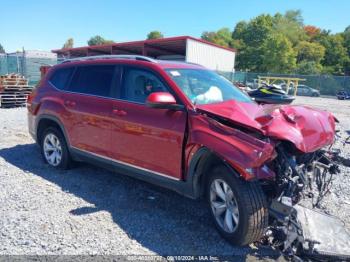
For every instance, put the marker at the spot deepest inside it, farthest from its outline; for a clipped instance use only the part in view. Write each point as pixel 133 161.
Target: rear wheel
pixel 54 148
pixel 237 207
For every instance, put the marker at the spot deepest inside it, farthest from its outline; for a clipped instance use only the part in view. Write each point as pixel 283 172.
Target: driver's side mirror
pixel 163 100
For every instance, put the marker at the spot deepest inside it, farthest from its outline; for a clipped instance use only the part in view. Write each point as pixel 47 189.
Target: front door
pixel 147 138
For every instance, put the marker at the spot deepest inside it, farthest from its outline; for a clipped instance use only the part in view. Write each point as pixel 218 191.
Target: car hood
pixel 307 128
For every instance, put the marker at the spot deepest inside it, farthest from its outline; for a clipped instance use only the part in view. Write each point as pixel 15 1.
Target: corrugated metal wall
pixel 212 57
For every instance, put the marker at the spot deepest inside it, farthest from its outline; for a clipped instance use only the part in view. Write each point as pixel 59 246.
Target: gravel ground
pixel 336 203
pixel 88 210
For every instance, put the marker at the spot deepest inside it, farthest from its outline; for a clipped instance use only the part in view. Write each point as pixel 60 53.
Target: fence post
pixel 319 82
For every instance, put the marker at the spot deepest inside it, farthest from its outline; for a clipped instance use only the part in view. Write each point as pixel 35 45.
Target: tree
pixel 249 38
pixel 347 46
pixel 294 16
pixel 336 56
pixel 312 31
pixel 69 43
pixel 282 44
pixel 155 35
pixel 291 25
pixel 278 53
pixel 239 30
pixel 2 50
pixel 307 51
pixel 257 30
pixel 309 68
pixel 221 37
pixel 98 40
pixel 347 39
pixel 309 57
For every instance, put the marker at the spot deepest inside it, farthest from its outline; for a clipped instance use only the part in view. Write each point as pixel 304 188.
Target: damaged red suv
pixel 186 128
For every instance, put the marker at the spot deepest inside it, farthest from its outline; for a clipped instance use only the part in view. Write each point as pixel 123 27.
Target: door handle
pixel 119 112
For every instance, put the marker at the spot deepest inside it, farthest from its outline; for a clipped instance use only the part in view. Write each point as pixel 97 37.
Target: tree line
pixel 282 43
pixel 279 43
pixel 99 40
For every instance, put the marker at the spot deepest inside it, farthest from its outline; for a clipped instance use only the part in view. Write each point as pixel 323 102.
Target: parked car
pixel 185 128
pixel 304 90
pixel 343 95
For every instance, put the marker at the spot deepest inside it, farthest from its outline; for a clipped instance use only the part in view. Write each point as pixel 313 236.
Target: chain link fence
pixel 26 63
pixel 326 84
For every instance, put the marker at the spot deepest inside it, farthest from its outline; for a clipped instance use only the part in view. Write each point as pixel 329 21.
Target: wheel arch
pixel 201 163
pixel 46 121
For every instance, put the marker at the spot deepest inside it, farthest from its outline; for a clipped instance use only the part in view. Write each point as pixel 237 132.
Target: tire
pixel 62 150
pixel 250 202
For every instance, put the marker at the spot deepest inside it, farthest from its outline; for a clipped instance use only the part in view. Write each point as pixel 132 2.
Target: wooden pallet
pixel 14 90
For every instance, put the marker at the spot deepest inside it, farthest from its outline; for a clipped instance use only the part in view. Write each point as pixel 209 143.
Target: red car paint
pixel 165 141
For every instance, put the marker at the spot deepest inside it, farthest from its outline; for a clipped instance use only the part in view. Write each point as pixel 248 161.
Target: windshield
pixel 206 87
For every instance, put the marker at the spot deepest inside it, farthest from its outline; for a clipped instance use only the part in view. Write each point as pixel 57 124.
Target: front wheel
pixel 237 207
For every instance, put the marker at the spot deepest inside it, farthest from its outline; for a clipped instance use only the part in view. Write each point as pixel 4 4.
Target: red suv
pixel 183 127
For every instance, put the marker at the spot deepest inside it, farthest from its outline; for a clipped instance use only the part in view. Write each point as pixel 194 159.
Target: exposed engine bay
pixel 301 232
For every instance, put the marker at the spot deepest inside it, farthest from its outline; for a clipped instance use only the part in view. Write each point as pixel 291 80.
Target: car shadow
pixel 160 220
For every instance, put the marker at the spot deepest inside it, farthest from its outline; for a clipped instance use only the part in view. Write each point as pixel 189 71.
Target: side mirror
pixel 163 100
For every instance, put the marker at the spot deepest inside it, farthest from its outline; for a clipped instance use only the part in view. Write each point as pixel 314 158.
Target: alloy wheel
pixel 52 149
pixel 224 205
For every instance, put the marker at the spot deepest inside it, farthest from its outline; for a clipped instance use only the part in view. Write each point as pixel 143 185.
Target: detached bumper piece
pixel 301 233
pixel 325 237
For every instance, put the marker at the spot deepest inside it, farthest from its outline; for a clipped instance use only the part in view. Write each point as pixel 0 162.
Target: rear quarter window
pixel 60 78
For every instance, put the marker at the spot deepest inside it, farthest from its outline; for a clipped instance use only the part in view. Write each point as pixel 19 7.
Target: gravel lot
pixel 88 210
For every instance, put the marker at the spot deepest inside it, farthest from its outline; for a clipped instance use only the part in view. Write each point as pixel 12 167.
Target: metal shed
pixel 182 48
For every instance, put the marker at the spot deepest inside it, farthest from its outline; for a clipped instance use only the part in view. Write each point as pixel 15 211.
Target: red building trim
pixel 143 45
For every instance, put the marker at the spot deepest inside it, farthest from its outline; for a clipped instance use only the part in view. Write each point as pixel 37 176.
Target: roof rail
pixel 132 57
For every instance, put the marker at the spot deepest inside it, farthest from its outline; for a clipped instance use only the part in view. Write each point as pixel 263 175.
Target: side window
pixel 93 80
pixel 138 84
pixel 61 77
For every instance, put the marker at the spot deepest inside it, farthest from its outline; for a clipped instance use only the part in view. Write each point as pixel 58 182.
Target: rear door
pixel 88 103
pixel 146 138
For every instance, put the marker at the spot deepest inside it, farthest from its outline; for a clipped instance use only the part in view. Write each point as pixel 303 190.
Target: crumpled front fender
pixel 240 150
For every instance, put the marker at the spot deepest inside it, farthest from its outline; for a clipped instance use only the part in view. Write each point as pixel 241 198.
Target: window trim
pixel 116 79
pixel 115 69
pixel 125 68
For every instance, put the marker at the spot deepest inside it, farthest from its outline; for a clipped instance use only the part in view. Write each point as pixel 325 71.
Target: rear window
pixel 93 80
pixel 61 77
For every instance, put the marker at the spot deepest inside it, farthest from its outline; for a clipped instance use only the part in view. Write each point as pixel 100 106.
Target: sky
pixel 47 24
